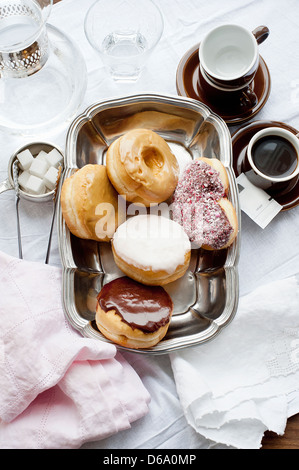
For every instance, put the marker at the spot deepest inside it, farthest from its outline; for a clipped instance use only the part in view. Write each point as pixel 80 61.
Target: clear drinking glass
pixel 124 33
pixel 42 74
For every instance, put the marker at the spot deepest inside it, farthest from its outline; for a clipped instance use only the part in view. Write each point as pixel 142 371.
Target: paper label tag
pixel 256 203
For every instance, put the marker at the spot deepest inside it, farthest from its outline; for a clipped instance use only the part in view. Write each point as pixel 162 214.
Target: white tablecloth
pixel 266 255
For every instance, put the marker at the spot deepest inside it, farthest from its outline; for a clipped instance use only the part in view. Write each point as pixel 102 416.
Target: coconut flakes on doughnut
pixel 196 206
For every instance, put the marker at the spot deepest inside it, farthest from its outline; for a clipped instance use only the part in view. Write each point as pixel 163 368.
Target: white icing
pixel 182 155
pixel 152 242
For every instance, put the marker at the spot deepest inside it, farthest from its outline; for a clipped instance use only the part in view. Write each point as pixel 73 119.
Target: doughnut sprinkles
pixel 132 314
pixel 201 206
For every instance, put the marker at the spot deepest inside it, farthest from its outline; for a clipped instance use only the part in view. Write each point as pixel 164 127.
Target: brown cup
pixel 239 99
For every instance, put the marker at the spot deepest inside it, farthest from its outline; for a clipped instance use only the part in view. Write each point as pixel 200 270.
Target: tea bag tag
pixel 256 203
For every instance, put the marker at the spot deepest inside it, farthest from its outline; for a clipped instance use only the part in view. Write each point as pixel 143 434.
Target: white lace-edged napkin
pixel 239 385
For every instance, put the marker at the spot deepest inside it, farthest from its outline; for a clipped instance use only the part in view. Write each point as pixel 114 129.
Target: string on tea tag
pixel 256 203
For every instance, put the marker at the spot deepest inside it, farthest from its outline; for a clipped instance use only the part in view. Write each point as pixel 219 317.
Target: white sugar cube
pixel 23 178
pixel 38 168
pixel 50 178
pixel 54 158
pixel 25 159
pixel 35 185
pixel 42 156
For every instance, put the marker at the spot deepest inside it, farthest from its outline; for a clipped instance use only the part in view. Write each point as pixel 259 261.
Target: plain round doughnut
pixel 89 204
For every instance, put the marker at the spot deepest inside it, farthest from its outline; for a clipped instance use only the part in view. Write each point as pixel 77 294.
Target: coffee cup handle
pixel 248 98
pixel 261 33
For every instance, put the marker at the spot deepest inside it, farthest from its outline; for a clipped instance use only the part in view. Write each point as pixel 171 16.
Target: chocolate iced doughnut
pixel 132 314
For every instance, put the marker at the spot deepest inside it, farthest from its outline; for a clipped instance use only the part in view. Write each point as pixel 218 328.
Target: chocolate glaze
pixel 146 308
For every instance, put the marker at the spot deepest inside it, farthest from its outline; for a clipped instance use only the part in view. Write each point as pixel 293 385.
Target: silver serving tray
pixel 206 298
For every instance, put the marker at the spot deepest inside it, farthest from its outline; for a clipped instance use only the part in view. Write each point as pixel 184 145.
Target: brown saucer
pixel 240 140
pixel 188 80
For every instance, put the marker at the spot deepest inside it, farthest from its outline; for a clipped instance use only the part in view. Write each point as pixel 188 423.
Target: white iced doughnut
pixel 151 249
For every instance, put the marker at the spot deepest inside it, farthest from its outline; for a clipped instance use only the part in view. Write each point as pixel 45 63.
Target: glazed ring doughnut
pixel 133 315
pixel 201 206
pixel 151 249
pixel 142 168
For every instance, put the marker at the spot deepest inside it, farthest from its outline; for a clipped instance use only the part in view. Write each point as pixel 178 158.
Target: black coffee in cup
pixel 274 156
pixel 272 159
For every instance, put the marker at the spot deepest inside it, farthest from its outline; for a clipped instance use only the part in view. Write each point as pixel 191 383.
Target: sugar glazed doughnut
pixel 142 167
pixel 201 206
pixel 89 204
pixel 151 249
pixel 133 315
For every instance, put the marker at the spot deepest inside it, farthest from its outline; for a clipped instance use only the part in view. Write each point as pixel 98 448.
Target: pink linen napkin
pixel 57 389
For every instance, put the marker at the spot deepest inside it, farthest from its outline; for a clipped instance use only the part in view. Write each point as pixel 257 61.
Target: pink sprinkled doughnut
pixel 201 206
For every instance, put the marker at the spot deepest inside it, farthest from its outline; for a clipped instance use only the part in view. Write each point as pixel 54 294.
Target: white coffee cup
pixel 274 158
pixel 229 55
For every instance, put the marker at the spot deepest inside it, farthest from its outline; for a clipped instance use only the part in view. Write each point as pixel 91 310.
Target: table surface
pixel 290 440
